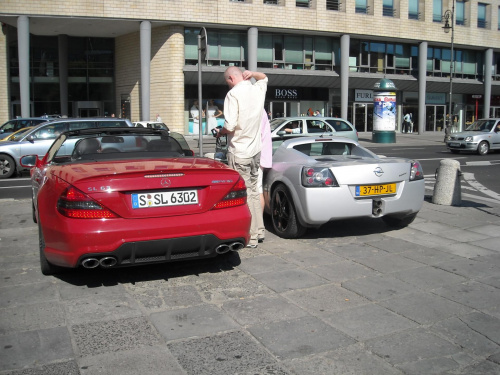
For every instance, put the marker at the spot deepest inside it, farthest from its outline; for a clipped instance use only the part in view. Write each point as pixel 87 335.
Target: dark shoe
pixel 261 239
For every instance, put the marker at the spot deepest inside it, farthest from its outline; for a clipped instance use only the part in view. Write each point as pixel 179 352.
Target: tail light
pixel 75 204
pixel 416 171
pixel 236 197
pixel 318 177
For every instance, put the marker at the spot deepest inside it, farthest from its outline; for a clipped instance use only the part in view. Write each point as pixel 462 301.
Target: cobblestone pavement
pixel 354 297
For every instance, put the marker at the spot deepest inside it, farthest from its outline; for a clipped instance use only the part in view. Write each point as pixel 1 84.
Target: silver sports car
pixel 317 180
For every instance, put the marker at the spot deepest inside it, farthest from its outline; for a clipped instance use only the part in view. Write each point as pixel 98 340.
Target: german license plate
pixel 454 144
pixel 164 198
pixel 365 190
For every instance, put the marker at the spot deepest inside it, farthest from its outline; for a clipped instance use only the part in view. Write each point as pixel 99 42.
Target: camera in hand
pixel 214 132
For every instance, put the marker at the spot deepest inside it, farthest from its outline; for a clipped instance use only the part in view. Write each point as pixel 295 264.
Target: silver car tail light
pixel 318 177
pixel 416 171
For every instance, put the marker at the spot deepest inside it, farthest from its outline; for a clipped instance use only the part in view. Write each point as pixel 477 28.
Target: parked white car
pixel 286 126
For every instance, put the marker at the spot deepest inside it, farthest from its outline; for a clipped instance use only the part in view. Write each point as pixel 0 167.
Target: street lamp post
pixel 450 25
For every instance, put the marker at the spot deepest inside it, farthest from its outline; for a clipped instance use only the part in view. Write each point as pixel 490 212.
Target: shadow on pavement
pixel 98 277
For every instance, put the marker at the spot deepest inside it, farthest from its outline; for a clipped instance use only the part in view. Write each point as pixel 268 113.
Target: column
pixel 422 82
pixel 488 66
pixel 344 75
pixel 253 40
pixel 23 38
pixel 145 37
pixel 63 73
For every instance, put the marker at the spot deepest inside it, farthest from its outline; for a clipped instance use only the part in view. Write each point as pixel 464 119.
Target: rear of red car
pixel 123 213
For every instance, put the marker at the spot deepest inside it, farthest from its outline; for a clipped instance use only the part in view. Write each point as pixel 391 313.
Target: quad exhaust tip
pixel 224 248
pixel 105 262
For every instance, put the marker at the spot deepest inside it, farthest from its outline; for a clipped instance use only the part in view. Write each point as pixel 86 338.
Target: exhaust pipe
pixel 107 262
pixel 222 249
pixel 90 263
pixel 236 246
pixel 376 208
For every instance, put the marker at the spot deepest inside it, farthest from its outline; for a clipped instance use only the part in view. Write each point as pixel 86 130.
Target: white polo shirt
pixel 243 114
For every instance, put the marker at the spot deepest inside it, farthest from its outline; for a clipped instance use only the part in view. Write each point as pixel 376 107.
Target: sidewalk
pixel 353 297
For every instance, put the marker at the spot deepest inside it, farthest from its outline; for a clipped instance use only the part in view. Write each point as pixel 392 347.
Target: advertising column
pixel 384 112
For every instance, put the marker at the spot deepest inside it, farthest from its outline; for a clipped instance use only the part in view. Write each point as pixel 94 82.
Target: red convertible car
pixel 114 197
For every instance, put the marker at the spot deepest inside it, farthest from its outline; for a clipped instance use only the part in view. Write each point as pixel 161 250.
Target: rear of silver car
pixel 369 189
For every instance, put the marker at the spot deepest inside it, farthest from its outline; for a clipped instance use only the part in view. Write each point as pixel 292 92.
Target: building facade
pixel 137 59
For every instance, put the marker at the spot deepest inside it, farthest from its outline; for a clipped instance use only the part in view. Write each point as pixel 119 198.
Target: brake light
pixel 236 197
pixel 416 171
pixel 318 177
pixel 75 204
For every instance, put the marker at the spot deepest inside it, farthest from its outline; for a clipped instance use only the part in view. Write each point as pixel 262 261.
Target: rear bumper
pixel 133 241
pixel 319 206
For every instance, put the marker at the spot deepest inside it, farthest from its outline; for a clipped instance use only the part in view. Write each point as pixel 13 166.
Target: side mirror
pixel 30 138
pixel 281 133
pixel 29 161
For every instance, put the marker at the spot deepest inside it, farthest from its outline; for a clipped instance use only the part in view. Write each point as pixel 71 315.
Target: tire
pixel 399 222
pixel 283 214
pixel 7 166
pixel 483 148
pixel 46 267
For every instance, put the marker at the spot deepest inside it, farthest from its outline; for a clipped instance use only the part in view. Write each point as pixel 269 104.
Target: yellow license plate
pixel 363 190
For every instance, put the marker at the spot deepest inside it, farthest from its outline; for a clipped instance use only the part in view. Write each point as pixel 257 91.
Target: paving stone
pixel 262 309
pixel 429 256
pixel 113 336
pixel 470 268
pixel 342 271
pixel 299 337
pixel 379 288
pixel 311 257
pixel 227 353
pixel 150 360
pixel 389 263
pixel 16 295
pixel 58 368
pixel 33 316
pixel 268 263
pixel 34 348
pixel 472 294
pixel 357 251
pixel 194 321
pixel 425 308
pixel 466 250
pixel 165 298
pixel 368 321
pixel 351 360
pixel 428 278
pixel 281 281
pixel 410 346
pixel 324 299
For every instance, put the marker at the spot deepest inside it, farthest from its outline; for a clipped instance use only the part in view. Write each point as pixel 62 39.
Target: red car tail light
pixel 236 197
pixel 75 204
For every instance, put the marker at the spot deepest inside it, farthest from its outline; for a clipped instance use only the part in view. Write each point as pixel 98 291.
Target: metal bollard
pixel 447 190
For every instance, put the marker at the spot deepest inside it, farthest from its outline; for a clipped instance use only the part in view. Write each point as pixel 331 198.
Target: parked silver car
pixel 481 137
pixel 38 140
pixel 14 125
pixel 315 180
pixel 286 126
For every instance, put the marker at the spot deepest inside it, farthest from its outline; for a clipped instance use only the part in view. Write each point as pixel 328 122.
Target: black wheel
pixel 46 267
pixel 283 214
pixel 398 221
pixel 483 148
pixel 7 166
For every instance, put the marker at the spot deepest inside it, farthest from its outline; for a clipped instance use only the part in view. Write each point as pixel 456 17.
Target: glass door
pixel 362 118
pixel 280 109
pixel 435 118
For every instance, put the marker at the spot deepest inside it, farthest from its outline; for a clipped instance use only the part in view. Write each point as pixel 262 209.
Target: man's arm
pixel 248 74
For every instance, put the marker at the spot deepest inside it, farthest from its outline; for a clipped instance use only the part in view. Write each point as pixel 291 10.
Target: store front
pixel 362 112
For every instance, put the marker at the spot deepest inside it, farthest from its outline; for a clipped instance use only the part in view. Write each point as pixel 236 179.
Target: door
pixel 280 109
pixel 363 117
pixel 88 112
pixel 435 118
